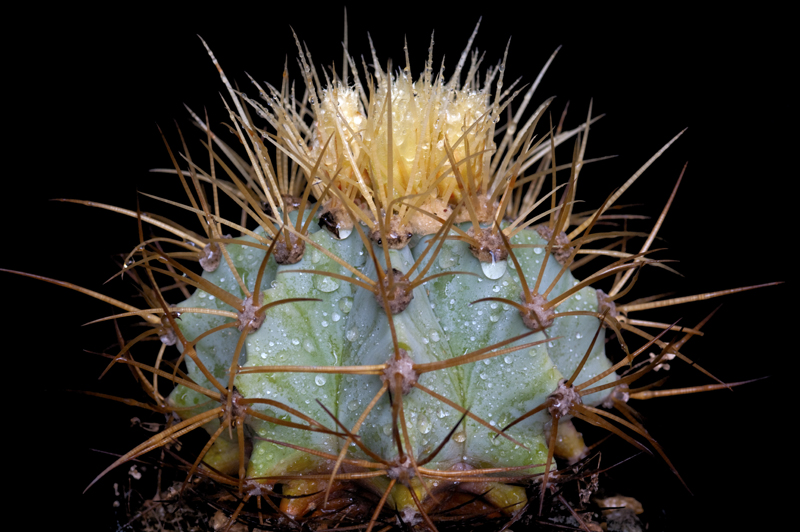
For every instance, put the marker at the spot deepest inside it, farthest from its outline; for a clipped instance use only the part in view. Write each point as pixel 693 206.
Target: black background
pixel 86 90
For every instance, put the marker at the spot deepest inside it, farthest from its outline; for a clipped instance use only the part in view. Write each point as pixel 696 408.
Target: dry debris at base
pixel 198 509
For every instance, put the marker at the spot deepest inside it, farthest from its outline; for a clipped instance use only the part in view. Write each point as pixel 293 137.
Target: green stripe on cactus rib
pixel 499 389
pixel 305 334
pixel 427 420
pixel 348 327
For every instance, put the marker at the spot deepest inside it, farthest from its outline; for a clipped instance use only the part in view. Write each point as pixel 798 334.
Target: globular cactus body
pixel 349 327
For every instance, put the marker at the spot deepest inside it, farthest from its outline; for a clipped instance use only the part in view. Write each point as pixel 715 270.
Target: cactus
pixel 412 326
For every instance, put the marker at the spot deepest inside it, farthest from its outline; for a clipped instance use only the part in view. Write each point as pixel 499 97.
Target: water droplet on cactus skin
pixel 325 284
pixel 424 424
pixel 346 304
pixel 494 270
pixel 447 259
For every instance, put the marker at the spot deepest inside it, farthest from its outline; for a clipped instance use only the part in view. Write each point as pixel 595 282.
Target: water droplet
pixel 496 440
pixel 496 288
pixel 578 297
pixel 273 284
pixel 508 360
pixel 447 259
pixel 493 306
pixel 494 270
pixel 295 341
pixel 494 318
pixel 336 316
pixel 346 304
pixel 315 256
pixel 460 436
pixel 424 424
pixel 344 233
pixel 538 251
pixel 320 380
pixel 325 284
pixel 442 414
pixel 351 334
pixel 387 429
pixel 484 376
pixel 578 336
pixel 211 298
pixel 435 336
pixel 324 323
pixel 309 346
pixel 352 405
